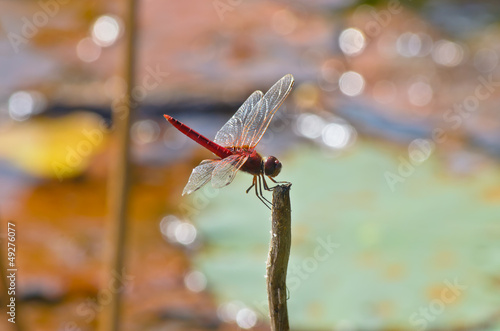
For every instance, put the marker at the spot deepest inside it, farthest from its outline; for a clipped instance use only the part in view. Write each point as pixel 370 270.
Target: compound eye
pixel 272 167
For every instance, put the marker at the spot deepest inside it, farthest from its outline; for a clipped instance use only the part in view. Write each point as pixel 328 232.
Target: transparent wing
pixel 200 175
pixel 226 169
pixel 231 132
pixel 264 111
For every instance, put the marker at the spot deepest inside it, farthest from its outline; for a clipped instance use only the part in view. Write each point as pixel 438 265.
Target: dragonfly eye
pixel 272 166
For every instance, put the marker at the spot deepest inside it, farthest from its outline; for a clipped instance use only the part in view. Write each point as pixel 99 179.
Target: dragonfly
pixel 235 143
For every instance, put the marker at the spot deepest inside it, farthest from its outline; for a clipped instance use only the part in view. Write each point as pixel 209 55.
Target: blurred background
pixel 391 138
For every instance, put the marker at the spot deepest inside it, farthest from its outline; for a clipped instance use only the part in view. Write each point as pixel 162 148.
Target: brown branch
pixel 277 262
pixel 119 181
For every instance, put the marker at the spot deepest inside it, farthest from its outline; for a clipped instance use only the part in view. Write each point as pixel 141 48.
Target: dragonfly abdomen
pixel 217 149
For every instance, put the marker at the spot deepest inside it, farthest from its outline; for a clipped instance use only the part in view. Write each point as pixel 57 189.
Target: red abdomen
pixel 217 149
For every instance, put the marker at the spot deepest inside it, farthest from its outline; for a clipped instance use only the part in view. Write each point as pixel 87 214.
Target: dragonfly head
pixel 272 166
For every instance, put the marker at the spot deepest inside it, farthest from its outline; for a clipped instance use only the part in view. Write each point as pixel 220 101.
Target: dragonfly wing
pixel 226 169
pixel 230 134
pixel 200 175
pixel 264 111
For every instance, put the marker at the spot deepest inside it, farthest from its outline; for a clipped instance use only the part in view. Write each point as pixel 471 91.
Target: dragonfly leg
pixel 277 182
pixel 260 189
pixel 260 195
pixel 254 181
pixel 266 187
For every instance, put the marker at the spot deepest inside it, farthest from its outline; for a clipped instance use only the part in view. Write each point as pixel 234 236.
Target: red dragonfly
pixel 236 141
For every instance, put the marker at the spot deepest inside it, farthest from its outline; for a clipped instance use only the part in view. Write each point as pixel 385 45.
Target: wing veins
pixel 226 170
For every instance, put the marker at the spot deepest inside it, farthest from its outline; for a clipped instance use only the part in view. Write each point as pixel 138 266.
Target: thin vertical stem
pixel 279 253
pixel 119 182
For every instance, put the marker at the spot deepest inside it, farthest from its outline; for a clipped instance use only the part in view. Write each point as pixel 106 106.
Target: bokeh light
pixel 184 233
pixel 145 131
pixel 177 231
pixel 236 311
pixel 227 311
pixel 87 50
pixel 106 30
pixel 23 104
pixel 333 132
pixel 246 318
pixel 195 281
pixel 420 93
pixel 447 53
pixel 352 42
pixel 408 44
pixel 411 44
pixel 351 83
pixel 337 135
pixel 310 125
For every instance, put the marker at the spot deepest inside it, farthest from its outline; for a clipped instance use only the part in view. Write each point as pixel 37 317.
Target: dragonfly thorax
pixel 271 166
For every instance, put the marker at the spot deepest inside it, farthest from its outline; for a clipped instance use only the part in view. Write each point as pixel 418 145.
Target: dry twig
pixel 277 262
